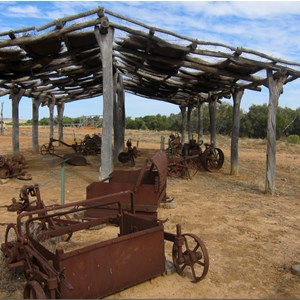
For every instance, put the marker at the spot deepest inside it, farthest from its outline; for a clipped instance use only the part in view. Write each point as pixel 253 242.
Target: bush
pixel 293 139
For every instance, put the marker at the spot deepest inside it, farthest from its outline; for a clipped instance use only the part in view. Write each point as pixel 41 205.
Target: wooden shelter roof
pixel 62 59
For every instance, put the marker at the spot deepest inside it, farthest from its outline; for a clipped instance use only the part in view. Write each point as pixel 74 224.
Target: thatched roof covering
pixel 62 59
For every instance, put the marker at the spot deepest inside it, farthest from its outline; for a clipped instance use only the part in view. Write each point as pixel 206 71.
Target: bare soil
pixel 252 238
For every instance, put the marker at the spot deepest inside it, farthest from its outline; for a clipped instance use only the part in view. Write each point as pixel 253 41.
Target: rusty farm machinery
pixel 14 166
pixel 90 145
pixel 130 155
pixel 129 201
pixel 185 160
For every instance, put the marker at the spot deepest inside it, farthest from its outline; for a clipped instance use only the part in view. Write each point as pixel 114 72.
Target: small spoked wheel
pixel 213 159
pixel 192 259
pixel 10 243
pixel 192 167
pixel 11 234
pixel 47 149
pixel 33 290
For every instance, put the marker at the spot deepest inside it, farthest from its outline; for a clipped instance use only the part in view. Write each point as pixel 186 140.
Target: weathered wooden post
pixel 275 84
pixel 189 121
pixel 237 97
pixel 16 94
pixel 35 122
pixel 60 106
pixel 183 122
pixel 212 117
pixel 104 36
pixel 51 104
pixel 119 114
pixel 200 121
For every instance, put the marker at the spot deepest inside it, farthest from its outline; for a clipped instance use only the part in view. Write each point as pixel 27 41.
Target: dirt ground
pixel 252 238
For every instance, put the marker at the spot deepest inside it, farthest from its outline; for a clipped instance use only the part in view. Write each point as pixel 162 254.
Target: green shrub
pixel 294 139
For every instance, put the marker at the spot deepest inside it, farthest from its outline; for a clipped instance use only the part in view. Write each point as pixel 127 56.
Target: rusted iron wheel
pixel 10 233
pixel 10 243
pixel 212 159
pixel 192 167
pixel 175 170
pixel 47 149
pixel 33 290
pixel 194 255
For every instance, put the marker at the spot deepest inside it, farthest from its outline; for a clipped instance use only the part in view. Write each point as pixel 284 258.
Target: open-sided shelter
pixel 100 52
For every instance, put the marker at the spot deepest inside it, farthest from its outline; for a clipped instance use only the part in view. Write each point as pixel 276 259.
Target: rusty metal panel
pixel 146 198
pixel 111 266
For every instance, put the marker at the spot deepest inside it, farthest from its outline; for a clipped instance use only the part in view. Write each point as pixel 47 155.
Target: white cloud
pixel 26 10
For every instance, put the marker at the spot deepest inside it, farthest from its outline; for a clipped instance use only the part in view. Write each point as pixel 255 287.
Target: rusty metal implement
pixel 192 157
pixel 102 268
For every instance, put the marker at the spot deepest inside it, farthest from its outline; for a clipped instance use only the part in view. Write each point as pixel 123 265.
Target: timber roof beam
pixel 63 58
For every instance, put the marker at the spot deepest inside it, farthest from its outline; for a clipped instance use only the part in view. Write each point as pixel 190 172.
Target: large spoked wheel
pixel 212 159
pixel 33 290
pixel 194 260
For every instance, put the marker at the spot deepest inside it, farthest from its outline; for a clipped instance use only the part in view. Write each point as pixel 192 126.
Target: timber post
pixel 16 95
pixel 183 121
pixel 237 97
pixel 35 123
pixel 200 121
pixel 104 36
pixel 51 104
pixel 275 84
pixel 189 121
pixel 119 114
pixel 212 118
pixel 60 106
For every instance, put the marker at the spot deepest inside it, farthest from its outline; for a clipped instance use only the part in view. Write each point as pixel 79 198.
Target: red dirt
pixel 252 238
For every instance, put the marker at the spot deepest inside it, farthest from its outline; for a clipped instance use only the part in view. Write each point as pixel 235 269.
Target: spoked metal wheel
pixel 47 149
pixel 33 290
pixel 192 166
pixel 212 159
pixel 192 258
pixel 10 243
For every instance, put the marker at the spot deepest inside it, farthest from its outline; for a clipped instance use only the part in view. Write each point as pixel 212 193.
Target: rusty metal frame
pixel 105 267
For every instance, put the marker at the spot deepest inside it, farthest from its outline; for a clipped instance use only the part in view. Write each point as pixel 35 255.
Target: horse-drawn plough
pixel 90 145
pixel 128 200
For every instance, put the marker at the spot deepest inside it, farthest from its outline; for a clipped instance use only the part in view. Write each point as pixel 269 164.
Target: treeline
pixel 253 123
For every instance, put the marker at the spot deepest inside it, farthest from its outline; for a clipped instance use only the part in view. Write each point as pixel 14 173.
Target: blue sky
pixel 271 27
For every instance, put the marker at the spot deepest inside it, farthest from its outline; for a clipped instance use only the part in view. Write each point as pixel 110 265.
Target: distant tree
pixel 174 123
pixel 258 117
pixel 44 121
pixel 224 118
